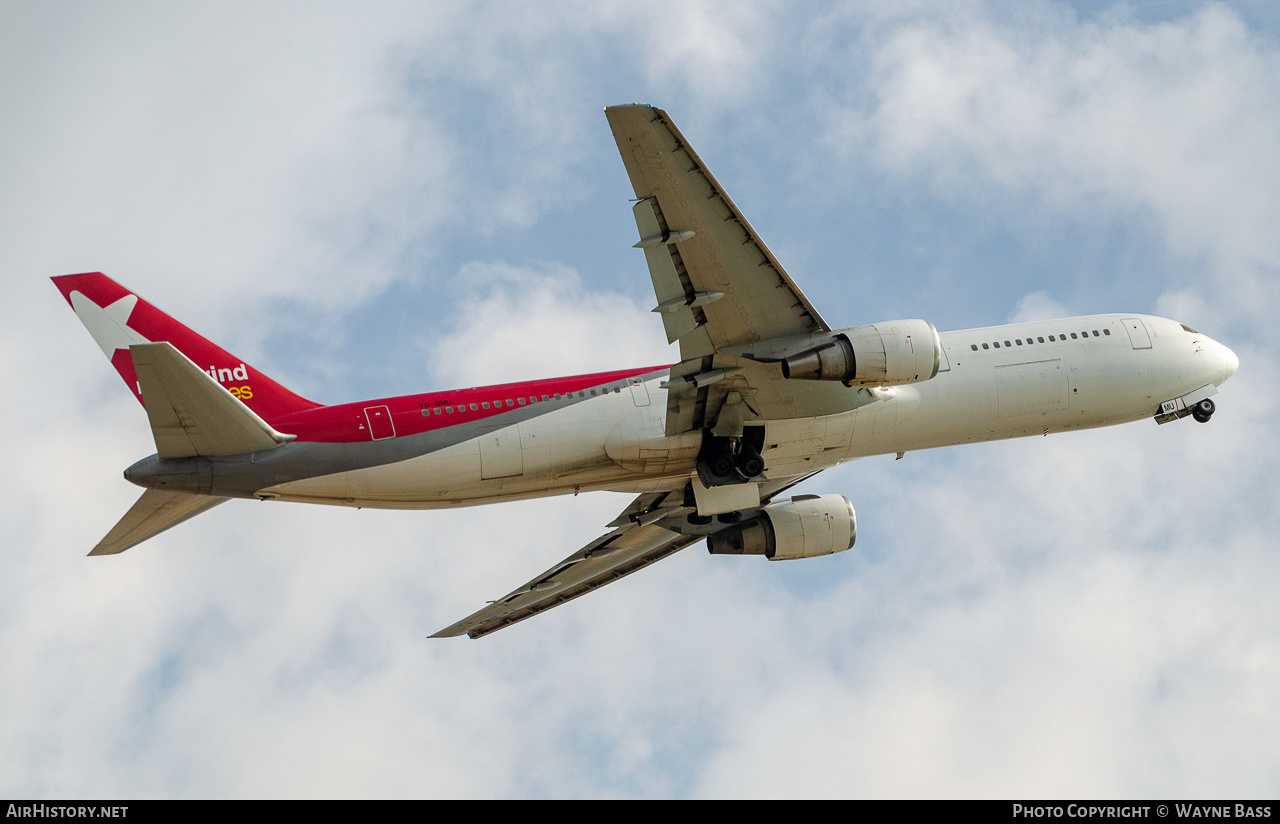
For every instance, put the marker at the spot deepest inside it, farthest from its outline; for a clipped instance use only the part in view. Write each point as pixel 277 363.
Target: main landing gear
pixel 726 461
pixel 730 460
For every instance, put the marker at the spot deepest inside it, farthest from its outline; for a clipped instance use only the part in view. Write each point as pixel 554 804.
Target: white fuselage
pixel 994 383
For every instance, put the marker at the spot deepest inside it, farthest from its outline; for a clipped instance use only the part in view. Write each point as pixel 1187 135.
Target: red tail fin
pixel 117 318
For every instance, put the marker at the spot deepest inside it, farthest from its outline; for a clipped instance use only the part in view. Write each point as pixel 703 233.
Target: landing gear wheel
pixel 721 463
pixel 749 462
pixel 699 520
pixel 1203 411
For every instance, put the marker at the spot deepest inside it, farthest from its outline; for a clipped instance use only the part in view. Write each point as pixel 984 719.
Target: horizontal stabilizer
pixel 154 512
pixel 191 413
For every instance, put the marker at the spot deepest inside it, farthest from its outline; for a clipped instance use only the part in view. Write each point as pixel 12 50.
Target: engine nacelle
pixel 804 527
pixel 896 352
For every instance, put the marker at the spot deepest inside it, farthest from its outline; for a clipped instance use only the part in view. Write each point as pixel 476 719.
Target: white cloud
pixel 1173 123
pixel 1037 306
pixel 714 50
pixel 516 322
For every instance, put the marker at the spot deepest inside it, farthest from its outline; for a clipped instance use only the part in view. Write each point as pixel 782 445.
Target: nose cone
pixel 1225 361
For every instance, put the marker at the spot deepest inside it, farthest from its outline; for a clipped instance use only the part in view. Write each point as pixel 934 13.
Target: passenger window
pixel 1106 331
pixel 1006 343
pixel 439 411
pixel 984 346
pixel 1042 339
pixel 509 403
pixel 1019 341
pixel 545 398
pixel 557 396
pixel 484 405
pixel 1051 338
pixel 448 410
pixel 973 346
pixel 1095 333
pixel 996 344
pixel 521 401
pixel 473 407
pixel 426 412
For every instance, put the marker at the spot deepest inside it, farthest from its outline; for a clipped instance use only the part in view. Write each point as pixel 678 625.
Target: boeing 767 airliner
pixel 764 395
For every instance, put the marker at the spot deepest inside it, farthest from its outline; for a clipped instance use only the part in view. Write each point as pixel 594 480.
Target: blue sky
pixel 417 196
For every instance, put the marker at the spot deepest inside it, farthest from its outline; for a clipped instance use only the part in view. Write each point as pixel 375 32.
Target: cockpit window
pixel 1189 329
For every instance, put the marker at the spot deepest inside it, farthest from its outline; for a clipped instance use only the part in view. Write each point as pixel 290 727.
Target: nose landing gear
pixel 1203 411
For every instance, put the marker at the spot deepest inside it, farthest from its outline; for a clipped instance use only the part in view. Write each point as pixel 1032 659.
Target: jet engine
pixel 899 351
pixel 805 526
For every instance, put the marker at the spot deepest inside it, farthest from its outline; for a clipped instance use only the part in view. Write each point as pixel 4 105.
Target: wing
pixel 643 539
pixel 603 561
pixel 717 284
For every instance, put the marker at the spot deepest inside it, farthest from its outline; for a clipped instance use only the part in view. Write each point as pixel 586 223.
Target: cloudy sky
pixel 387 198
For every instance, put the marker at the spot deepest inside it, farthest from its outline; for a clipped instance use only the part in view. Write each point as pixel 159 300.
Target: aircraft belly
pixel 796 446
pixel 990 401
pixel 639 444
pixel 552 454
pixel 436 476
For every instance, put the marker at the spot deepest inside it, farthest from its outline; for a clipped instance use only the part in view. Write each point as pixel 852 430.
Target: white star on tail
pixel 110 326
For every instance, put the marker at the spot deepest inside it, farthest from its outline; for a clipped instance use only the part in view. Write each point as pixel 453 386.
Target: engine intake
pixel 896 352
pixel 805 526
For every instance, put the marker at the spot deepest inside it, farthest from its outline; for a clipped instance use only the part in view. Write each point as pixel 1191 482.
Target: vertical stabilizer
pixel 118 319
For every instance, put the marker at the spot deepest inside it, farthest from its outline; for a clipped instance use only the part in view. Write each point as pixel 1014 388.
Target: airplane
pixel 765 395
